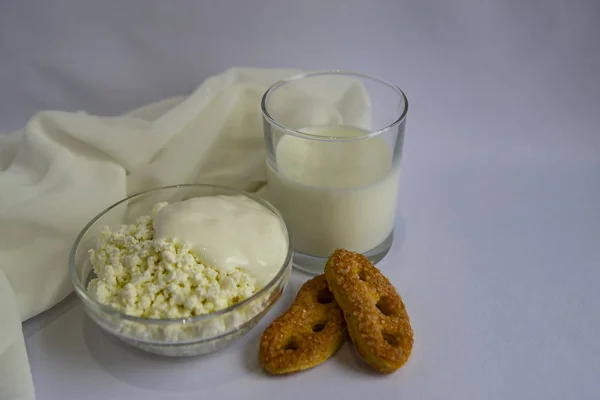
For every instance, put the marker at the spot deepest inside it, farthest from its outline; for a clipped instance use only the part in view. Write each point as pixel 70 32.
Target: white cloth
pixel 64 168
pixel 15 376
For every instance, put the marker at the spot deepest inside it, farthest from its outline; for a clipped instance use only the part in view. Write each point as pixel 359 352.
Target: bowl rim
pixel 82 291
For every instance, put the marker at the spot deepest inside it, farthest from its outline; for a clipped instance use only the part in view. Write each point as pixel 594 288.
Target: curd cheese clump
pixel 156 278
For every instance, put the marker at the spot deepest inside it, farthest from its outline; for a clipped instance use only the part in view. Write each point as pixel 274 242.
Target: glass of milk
pixel 334 145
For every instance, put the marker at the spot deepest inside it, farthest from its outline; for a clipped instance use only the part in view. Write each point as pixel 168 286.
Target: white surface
pixel 500 181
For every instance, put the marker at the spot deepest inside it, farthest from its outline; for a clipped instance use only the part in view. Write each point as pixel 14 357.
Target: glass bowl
pixel 171 337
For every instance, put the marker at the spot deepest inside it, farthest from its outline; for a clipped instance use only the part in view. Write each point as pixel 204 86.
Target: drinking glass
pixel 334 148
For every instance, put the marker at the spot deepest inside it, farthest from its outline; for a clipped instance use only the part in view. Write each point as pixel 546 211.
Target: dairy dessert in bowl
pixel 189 258
pixel 187 276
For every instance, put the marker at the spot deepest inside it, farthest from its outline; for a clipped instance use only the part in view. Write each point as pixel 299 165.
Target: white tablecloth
pixel 499 263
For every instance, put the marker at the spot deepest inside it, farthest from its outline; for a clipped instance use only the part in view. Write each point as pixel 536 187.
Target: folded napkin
pixel 63 168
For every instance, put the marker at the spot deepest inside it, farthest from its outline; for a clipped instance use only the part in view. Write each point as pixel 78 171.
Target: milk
pixel 335 194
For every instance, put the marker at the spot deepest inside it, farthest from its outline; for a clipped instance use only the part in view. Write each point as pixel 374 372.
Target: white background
pixel 500 202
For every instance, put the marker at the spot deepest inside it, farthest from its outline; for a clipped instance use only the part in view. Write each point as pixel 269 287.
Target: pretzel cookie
pixel 377 320
pixel 308 333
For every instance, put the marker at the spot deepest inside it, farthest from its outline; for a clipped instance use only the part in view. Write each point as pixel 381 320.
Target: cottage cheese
pixel 144 276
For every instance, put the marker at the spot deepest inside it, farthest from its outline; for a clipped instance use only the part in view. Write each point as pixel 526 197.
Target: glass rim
pixel 337 72
pixel 82 291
